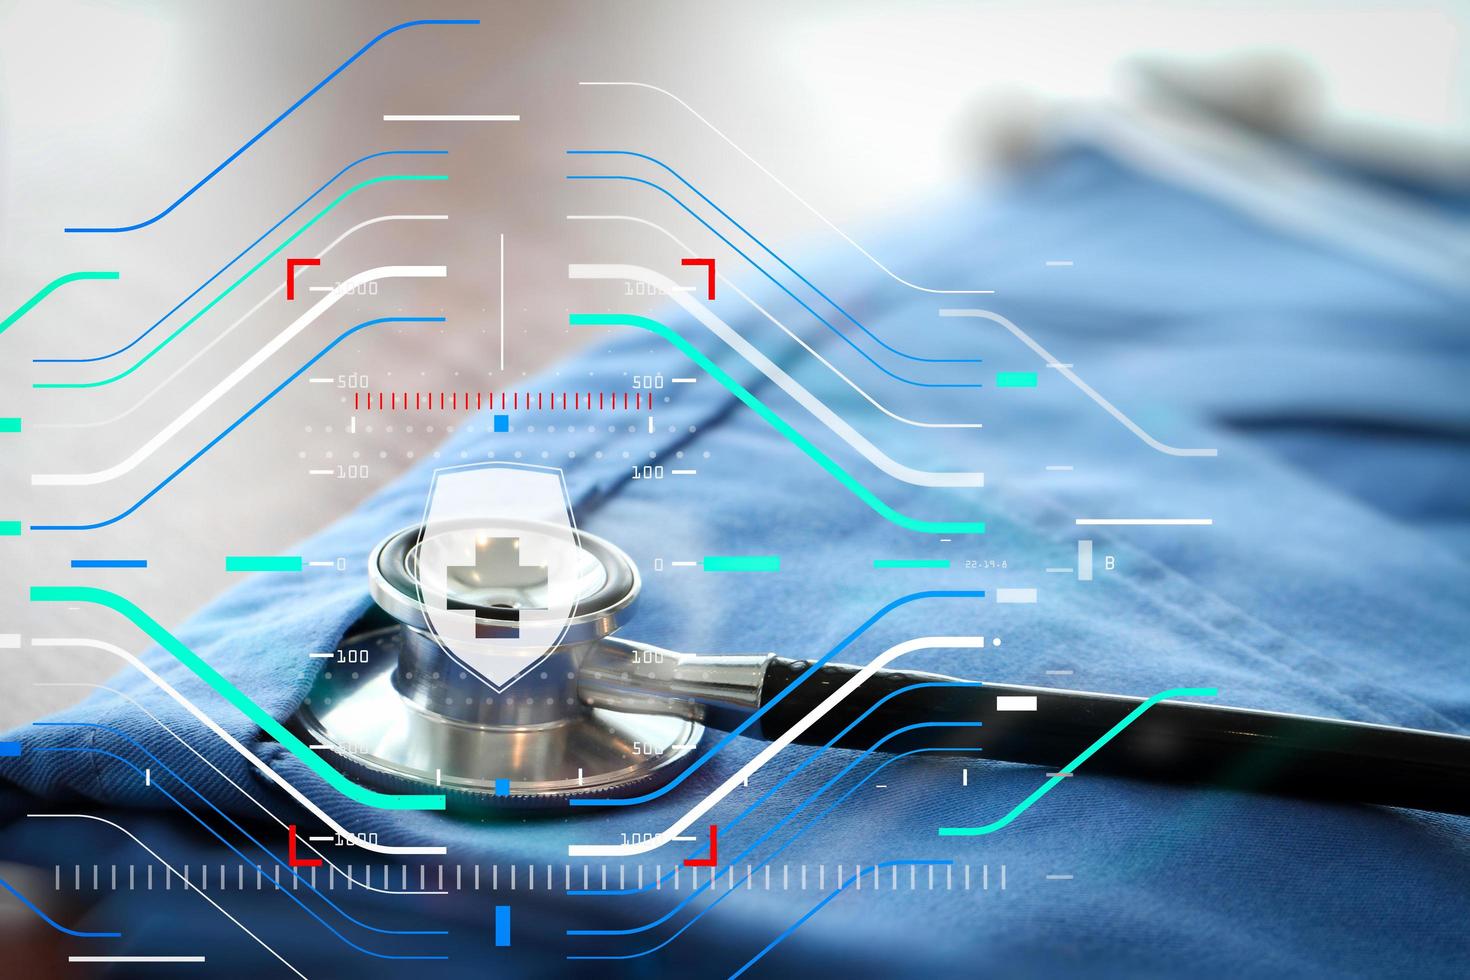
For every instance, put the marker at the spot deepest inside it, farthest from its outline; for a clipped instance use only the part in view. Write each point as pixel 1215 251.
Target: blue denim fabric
pixel 1333 582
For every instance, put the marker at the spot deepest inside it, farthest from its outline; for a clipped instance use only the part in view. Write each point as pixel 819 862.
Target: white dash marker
pixel 135 959
pixel 650 425
pixel 683 564
pixel 321 381
pixel 321 656
pixel 321 289
pixel 320 472
pixel 683 381
pixel 1146 521
pixel 1064 571
pixel 9 641
pixel 1059 263
pixel 321 564
pixel 450 118
pixel 1015 702
pixel 683 472
pixel 1015 595
pixel 147 777
pixel 1059 469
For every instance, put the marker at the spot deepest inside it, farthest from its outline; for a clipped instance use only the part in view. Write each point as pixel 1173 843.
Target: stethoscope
pixel 604 716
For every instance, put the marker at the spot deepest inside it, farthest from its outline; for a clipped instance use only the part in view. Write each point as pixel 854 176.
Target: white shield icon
pixel 498 566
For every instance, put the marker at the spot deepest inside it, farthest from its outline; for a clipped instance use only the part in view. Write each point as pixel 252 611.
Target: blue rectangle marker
pixel 502 423
pixel 502 787
pixel 502 925
pixel 9 748
pixel 109 563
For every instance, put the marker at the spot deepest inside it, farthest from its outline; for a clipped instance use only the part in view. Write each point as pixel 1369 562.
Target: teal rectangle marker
pixel 1015 379
pixel 910 562
pixel 9 424
pixel 742 563
pixel 9 529
pixel 262 563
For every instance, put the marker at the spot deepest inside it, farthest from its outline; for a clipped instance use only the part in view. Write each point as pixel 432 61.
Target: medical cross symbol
pixel 497 561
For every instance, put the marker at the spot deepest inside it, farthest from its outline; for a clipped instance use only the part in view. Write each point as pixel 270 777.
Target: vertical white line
pixel 502 301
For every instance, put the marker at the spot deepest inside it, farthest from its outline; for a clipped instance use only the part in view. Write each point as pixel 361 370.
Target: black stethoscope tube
pixel 1173 741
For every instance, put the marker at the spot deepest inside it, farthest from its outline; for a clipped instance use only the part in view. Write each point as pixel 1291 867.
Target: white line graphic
pixel 658 840
pixel 784 329
pixel 205 759
pixel 788 384
pixel 234 743
pixel 175 873
pixel 189 414
pixel 227 330
pixel 797 197
pixel 1067 372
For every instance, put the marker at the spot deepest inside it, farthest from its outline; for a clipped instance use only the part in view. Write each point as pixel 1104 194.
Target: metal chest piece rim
pixel 398 713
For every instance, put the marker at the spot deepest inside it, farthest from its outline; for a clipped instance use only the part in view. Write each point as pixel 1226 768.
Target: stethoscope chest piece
pixel 400 713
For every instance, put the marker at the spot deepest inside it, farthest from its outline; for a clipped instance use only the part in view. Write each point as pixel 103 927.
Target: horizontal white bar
pixel 322 656
pixel 1015 595
pixel 321 381
pixel 9 641
pixel 1059 469
pixel 440 118
pixel 683 381
pixel 1015 702
pixel 1059 262
pixel 683 472
pixel 1146 520
pixel 320 472
pixel 683 564
pixel 135 959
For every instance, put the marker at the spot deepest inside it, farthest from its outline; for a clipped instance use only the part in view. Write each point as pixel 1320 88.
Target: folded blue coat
pixel 1332 582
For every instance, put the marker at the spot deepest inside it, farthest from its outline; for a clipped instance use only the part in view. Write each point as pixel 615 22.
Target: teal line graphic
pixel 1015 379
pixel 50 288
pixel 910 562
pixel 1046 787
pixel 252 271
pixel 742 563
pixel 236 697
pixel 263 563
pixel 9 424
pixel 779 424
pixel 9 529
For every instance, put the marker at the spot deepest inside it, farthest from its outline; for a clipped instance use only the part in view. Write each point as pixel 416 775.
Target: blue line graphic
pixel 751 235
pixel 283 891
pixel 761 269
pixel 272 125
pixel 224 268
pixel 52 922
pixel 755 717
pixel 822 904
pixel 769 858
pixel 810 758
pixel 109 563
pixel 243 832
pixel 236 424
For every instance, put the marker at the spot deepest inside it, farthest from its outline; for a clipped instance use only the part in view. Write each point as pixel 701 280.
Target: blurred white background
pixel 108 110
